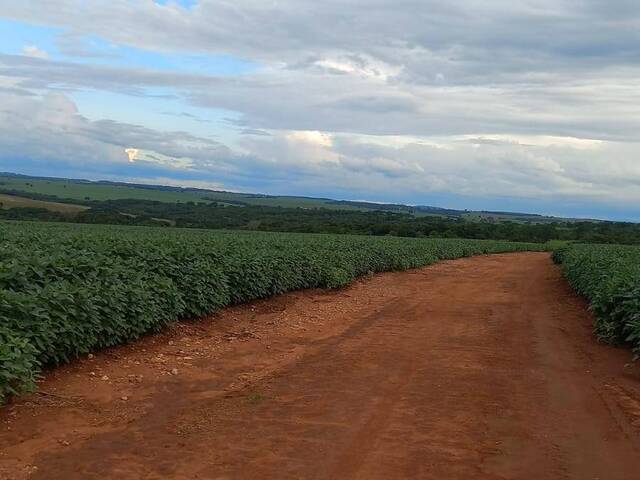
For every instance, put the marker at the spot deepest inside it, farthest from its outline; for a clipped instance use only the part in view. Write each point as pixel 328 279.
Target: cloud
pixel 550 169
pixel 404 33
pixel 403 99
pixel 584 107
pixel 151 156
pixel 187 115
pixel 50 130
pixel 34 51
pixel 132 153
pixel 253 131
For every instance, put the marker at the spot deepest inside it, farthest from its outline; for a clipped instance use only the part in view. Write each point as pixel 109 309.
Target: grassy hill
pixel 69 190
pixel 84 190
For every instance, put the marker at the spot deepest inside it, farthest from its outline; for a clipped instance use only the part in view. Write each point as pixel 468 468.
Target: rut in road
pixel 480 368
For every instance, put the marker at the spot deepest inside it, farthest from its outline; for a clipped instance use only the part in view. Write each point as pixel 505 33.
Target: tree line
pixel 321 220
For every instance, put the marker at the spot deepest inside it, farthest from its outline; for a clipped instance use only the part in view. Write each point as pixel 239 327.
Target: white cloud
pixel 169 181
pixel 132 153
pixel 34 51
pixel 152 156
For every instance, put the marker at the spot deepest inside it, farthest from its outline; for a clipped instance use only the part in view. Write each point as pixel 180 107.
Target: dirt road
pixel 480 368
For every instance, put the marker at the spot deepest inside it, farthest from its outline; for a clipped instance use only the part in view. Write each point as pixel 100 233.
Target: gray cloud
pixel 186 115
pixel 586 107
pixel 403 32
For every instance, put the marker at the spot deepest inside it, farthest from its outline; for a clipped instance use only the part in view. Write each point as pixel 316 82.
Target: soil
pixel 479 368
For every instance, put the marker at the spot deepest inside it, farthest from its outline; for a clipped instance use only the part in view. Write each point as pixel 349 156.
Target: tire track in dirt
pixel 480 368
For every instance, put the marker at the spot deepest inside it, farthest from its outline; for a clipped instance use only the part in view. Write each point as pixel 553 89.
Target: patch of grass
pixel 256 397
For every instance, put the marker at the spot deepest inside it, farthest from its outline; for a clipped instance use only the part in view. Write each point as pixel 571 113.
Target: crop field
pixel 67 290
pixel 75 190
pixel 608 276
pixel 12 201
pixel 405 347
pixel 84 191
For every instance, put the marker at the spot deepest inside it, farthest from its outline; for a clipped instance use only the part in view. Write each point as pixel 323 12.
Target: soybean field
pixel 608 276
pixel 66 290
pixel 171 353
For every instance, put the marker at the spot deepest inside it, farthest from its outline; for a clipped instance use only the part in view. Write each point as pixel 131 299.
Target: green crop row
pixel 608 276
pixel 68 289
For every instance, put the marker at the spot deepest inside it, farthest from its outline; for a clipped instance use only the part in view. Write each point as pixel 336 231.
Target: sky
pixel 530 105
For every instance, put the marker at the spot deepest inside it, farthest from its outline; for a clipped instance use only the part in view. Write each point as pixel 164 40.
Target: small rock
pixel 124 398
pixel 104 378
pixel 64 442
pixel 174 371
pixel 90 356
pixel 92 374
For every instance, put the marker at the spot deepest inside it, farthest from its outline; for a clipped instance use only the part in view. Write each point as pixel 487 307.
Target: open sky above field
pixel 529 105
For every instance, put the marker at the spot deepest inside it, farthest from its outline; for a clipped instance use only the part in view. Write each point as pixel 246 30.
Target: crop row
pixel 66 290
pixel 608 276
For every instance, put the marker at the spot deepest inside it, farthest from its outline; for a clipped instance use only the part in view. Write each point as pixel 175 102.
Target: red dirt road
pixel 479 368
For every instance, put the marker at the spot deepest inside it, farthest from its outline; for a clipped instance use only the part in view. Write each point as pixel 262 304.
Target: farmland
pixel 12 201
pixel 67 290
pixel 190 336
pixel 481 367
pixel 608 276
pixel 282 363
pixel 71 190
pixel 81 201
pixel 82 190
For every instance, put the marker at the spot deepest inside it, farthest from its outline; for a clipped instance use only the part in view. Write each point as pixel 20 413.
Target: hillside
pixel 13 201
pixel 69 190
